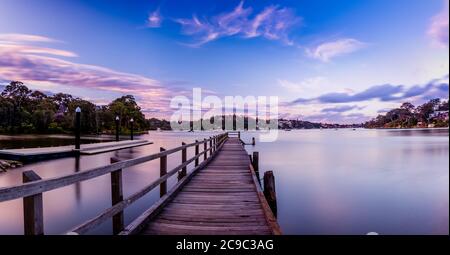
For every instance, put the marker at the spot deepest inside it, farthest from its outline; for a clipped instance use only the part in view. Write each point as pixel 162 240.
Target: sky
pixel 327 60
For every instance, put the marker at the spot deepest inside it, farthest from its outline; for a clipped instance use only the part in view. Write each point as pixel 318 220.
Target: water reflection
pixel 328 182
pixel 78 184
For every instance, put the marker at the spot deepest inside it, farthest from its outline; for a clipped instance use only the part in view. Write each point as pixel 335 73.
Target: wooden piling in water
pixel 270 192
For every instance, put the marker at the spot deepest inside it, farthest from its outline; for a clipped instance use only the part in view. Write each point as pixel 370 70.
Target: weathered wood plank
pixel 222 198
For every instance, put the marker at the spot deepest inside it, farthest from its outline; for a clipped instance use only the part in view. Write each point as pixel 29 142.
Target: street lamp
pixel 131 131
pixel 77 127
pixel 117 128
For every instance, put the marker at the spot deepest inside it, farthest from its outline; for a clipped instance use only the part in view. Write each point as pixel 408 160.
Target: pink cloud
pixel 154 19
pixel 329 50
pixel 43 65
pixel 439 28
pixel 273 23
pixel 24 38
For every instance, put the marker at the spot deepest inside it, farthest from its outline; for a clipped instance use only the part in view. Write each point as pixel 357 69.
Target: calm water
pixel 327 181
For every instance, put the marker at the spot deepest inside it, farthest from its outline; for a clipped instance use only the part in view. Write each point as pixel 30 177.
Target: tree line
pixel 434 112
pixel 24 111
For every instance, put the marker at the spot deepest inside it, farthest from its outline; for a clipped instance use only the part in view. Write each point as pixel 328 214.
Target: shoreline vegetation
pixel 433 114
pixel 24 111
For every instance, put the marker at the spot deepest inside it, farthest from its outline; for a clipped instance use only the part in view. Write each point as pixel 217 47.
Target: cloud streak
pixel 273 23
pixel 384 93
pixel 439 27
pixel 325 52
pixel 340 109
pixel 43 65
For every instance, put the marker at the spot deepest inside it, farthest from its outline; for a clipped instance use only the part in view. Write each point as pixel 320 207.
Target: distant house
pixel 421 124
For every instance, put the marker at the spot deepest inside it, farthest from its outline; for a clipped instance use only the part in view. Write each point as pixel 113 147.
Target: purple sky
pixel 327 60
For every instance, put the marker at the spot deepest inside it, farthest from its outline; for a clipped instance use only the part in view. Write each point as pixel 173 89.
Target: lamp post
pixel 117 128
pixel 131 130
pixel 77 127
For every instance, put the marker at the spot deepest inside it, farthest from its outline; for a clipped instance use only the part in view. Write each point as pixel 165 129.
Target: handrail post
pixel 117 197
pixel 197 151
pixel 210 146
pixel 33 213
pixel 205 154
pixel 162 172
pixel 253 141
pixel 183 160
pixel 239 135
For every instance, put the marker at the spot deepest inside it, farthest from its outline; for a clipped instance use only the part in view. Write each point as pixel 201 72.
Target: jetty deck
pixel 221 199
pixel 221 195
pixel 42 153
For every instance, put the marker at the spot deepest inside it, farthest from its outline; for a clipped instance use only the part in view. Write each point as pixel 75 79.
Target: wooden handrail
pixel 108 213
pixel 36 187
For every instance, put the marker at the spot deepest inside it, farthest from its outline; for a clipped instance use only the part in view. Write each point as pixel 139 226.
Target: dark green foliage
pixel 25 111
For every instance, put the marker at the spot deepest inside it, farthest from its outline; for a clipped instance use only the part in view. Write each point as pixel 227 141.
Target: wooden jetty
pixel 220 195
pixel 43 153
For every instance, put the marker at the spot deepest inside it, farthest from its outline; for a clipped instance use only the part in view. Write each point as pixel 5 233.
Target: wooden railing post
pixel 197 151
pixel 33 213
pixel 162 172
pixel 210 146
pixel 269 191
pixel 239 135
pixel 205 155
pixel 183 160
pixel 117 197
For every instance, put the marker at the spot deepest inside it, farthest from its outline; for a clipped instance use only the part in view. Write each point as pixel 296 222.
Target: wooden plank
pixel 222 198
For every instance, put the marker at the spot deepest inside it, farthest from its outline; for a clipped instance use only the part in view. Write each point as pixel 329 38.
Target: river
pixel 327 181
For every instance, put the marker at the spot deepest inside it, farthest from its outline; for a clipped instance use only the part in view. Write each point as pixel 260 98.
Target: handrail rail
pixel 106 214
pixel 36 187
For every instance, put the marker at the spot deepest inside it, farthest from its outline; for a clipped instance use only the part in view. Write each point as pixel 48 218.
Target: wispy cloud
pixel 154 19
pixel 327 51
pixel 338 117
pixel 24 38
pixel 42 65
pixel 439 27
pixel 273 23
pixel 385 93
pixel 308 85
pixel 342 108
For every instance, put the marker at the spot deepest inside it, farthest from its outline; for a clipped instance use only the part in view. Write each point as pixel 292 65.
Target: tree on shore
pixel 25 111
pixel 409 116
